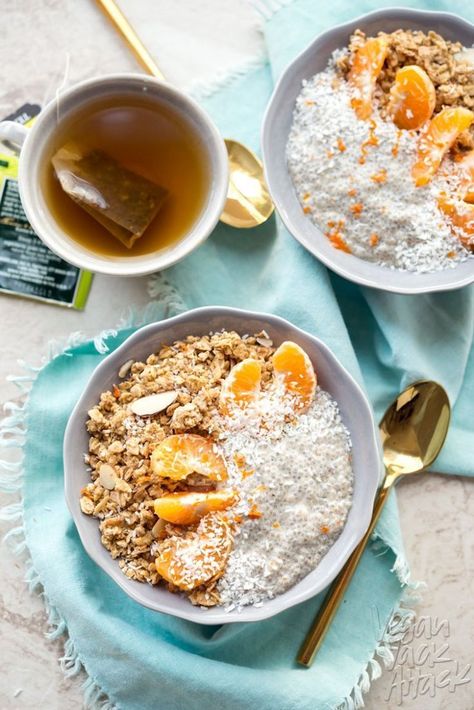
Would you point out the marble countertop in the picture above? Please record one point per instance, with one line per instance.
(46, 43)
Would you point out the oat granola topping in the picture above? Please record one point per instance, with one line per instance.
(121, 443)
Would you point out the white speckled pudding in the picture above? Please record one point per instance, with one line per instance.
(295, 480)
(353, 180)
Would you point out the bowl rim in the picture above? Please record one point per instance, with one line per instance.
(312, 245)
(53, 236)
(194, 613)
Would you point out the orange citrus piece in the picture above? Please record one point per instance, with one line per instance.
(461, 216)
(242, 385)
(293, 366)
(466, 167)
(412, 98)
(366, 67)
(438, 138)
(179, 455)
(189, 508)
(199, 557)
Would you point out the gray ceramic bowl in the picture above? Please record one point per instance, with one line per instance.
(355, 412)
(276, 127)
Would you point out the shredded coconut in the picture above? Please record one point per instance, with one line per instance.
(295, 482)
(353, 180)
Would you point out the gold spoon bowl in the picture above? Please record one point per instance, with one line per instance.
(248, 200)
(413, 431)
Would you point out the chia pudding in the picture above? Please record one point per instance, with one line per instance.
(301, 483)
(219, 469)
(381, 159)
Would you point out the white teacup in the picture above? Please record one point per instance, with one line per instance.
(36, 141)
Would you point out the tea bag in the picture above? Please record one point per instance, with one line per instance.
(124, 202)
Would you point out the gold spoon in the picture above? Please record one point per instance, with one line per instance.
(248, 200)
(413, 430)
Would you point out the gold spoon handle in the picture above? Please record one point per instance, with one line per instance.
(330, 605)
(113, 12)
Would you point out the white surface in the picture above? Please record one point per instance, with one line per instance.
(189, 39)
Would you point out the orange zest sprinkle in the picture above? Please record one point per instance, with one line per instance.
(374, 239)
(115, 391)
(239, 460)
(356, 208)
(330, 153)
(371, 140)
(238, 518)
(341, 145)
(451, 254)
(352, 192)
(261, 488)
(379, 177)
(247, 472)
(396, 146)
(276, 524)
(306, 196)
(309, 102)
(338, 241)
(324, 529)
(306, 209)
(254, 513)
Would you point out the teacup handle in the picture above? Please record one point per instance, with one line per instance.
(14, 132)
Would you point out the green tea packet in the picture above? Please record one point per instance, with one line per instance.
(27, 267)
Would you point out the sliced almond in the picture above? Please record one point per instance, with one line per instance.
(122, 486)
(264, 342)
(158, 528)
(153, 403)
(87, 506)
(124, 370)
(107, 477)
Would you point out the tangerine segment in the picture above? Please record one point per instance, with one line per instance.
(461, 216)
(293, 366)
(466, 167)
(181, 454)
(366, 67)
(412, 98)
(438, 138)
(189, 508)
(242, 385)
(199, 557)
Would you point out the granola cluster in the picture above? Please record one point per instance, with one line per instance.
(123, 487)
(452, 78)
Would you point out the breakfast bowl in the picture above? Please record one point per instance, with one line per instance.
(356, 416)
(276, 130)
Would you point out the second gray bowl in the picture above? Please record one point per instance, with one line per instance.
(276, 127)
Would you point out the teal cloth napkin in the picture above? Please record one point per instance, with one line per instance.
(144, 660)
